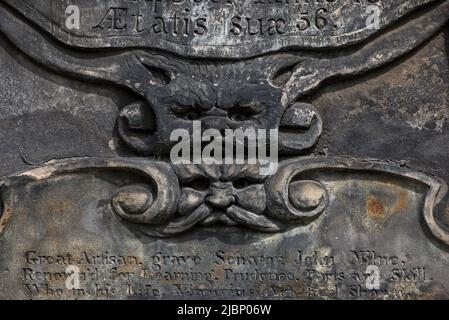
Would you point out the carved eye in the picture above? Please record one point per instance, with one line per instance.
(187, 112)
(241, 183)
(191, 115)
(243, 112)
(200, 184)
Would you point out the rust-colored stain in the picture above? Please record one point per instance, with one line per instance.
(402, 202)
(375, 207)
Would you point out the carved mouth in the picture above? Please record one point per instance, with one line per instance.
(218, 217)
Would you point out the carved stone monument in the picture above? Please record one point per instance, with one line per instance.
(94, 207)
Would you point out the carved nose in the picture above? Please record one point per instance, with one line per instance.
(220, 201)
(216, 112)
(218, 122)
(215, 118)
(220, 198)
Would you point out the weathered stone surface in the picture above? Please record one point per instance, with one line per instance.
(358, 208)
(223, 28)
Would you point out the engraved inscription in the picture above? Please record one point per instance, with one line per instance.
(299, 274)
(94, 206)
(217, 28)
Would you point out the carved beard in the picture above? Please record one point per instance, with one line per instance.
(233, 195)
(230, 194)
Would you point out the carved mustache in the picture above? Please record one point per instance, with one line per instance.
(236, 206)
(240, 206)
(291, 199)
(224, 204)
(251, 198)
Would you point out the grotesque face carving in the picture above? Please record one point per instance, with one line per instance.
(224, 190)
(264, 92)
(221, 97)
(227, 95)
(208, 195)
(173, 92)
(233, 95)
(261, 92)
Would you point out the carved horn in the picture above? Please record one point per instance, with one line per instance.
(136, 70)
(310, 72)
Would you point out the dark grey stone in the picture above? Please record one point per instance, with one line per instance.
(87, 182)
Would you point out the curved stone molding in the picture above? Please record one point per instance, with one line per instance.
(263, 93)
(279, 202)
(161, 183)
(136, 126)
(312, 72)
(300, 128)
(231, 195)
(178, 75)
(297, 25)
(174, 199)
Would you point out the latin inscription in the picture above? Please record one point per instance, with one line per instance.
(216, 27)
(96, 227)
(313, 274)
(186, 24)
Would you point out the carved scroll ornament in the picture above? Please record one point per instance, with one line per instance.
(173, 92)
